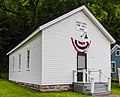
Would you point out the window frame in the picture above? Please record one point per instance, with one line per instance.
(113, 67)
(13, 63)
(19, 62)
(116, 53)
(28, 59)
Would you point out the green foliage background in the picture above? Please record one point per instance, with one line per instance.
(19, 18)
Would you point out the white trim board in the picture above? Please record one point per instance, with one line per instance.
(114, 48)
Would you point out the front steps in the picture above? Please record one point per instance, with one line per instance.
(100, 88)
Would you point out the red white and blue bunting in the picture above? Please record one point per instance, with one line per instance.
(80, 46)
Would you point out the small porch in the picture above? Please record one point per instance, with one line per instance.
(88, 85)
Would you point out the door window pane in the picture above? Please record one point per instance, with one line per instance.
(81, 61)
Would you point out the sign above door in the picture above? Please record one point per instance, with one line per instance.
(81, 46)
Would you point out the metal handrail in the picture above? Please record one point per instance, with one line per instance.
(93, 70)
(109, 80)
(104, 74)
(88, 74)
(84, 78)
(100, 74)
(99, 71)
(92, 80)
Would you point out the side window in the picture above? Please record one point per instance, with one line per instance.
(19, 62)
(117, 52)
(113, 66)
(28, 58)
(13, 63)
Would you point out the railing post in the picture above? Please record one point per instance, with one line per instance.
(89, 74)
(100, 75)
(84, 76)
(92, 85)
(109, 84)
(74, 76)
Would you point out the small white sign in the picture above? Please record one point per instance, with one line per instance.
(81, 26)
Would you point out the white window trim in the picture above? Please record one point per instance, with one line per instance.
(13, 63)
(116, 53)
(111, 66)
(28, 69)
(19, 63)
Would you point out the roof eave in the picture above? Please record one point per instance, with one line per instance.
(25, 40)
(98, 24)
(114, 48)
(45, 26)
(85, 10)
(62, 17)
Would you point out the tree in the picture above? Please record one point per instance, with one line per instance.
(17, 21)
(31, 5)
(108, 13)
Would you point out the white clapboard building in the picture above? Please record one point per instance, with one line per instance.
(71, 52)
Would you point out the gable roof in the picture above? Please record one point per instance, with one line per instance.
(114, 48)
(82, 8)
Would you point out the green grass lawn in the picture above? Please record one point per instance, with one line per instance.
(9, 89)
(115, 88)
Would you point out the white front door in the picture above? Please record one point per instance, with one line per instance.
(81, 64)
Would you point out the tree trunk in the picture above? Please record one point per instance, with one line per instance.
(33, 6)
(33, 19)
(33, 15)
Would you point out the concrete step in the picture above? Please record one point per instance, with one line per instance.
(97, 89)
(97, 86)
(101, 93)
(100, 88)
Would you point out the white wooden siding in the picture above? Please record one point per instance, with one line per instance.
(59, 56)
(99, 51)
(53, 57)
(34, 75)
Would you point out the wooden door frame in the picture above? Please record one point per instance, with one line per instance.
(82, 54)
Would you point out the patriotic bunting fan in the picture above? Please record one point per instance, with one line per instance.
(81, 46)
